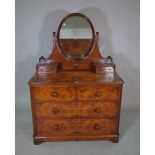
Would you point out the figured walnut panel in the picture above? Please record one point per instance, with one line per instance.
(53, 93)
(76, 127)
(75, 47)
(55, 127)
(96, 126)
(71, 109)
(55, 109)
(97, 109)
(95, 55)
(107, 92)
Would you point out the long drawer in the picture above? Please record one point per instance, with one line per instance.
(73, 109)
(106, 92)
(42, 93)
(81, 127)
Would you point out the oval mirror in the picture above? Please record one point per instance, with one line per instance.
(76, 36)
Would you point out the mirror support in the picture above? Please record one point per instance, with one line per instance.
(95, 61)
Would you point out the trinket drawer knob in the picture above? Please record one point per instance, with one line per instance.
(97, 110)
(55, 110)
(55, 94)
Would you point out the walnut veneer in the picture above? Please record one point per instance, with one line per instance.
(73, 102)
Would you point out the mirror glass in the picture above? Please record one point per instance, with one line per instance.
(76, 37)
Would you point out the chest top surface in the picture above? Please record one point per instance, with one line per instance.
(76, 78)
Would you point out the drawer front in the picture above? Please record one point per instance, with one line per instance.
(77, 127)
(55, 109)
(97, 109)
(107, 92)
(70, 109)
(96, 127)
(54, 93)
(55, 127)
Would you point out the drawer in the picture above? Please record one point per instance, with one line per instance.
(97, 109)
(70, 109)
(55, 109)
(55, 127)
(53, 93)
(106, 92)
(94, 127)
(77, 127)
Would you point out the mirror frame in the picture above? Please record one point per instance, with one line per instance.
(85, 55)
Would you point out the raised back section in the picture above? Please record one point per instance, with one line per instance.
(95, 55)
(78, 49)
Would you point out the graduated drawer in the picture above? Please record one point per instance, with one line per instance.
(106, 92)
(53, 93)
(77, 127)
(72, 109)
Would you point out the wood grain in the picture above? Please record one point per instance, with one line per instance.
(81, 127)
(54, 93)
(73, 110)
(69, 101)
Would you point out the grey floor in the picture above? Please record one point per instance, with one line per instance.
(128, 144)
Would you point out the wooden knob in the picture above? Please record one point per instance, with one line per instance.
(55, 94)
(97, 110)
(55, 110)
(56, 127)
(75, 66)
(97, 127)
(98, 94)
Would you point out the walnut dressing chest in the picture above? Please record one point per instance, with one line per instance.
(75, 92)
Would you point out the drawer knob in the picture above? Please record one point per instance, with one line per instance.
(54, 94)
(55, 110)
(97, 127)
(56, 127)
(97, 110)
(98, 94)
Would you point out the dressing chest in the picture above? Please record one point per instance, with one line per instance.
(75, 92)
